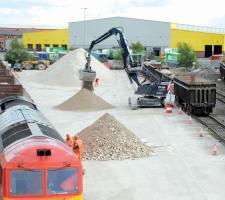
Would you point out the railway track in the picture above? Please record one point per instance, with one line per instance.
(216, 127)
(220, 96)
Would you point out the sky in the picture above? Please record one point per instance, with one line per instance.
(57, 13)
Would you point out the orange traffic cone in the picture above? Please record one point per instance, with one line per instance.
(169, 108)
(215, 150)
(201, 133)
(190, 120)
(180, 111)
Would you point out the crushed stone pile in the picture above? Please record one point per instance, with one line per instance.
(108, 139)
(84, 100)
(65, 71)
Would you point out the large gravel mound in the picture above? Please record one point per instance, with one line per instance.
(108, 139)
(64, 72)
(84, 100)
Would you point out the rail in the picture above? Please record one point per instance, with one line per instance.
(220, 96)
(216, 127)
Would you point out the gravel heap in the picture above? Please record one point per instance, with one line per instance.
(108, 139)
(85, 101)
(65, 71)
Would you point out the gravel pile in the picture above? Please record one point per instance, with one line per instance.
(108, 139)
(84, 101)
(65, 71)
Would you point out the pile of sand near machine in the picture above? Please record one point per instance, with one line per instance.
(85, 101)
(108, 139)
(65, 71)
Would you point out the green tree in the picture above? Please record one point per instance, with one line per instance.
(186, 55)
(117, 54)
(137, 47)
(17, 52)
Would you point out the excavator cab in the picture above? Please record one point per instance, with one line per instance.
(136, 62)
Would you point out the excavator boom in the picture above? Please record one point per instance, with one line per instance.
(88, 75)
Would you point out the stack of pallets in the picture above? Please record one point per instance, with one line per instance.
(9, 85)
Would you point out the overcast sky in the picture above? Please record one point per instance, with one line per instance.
(60, 12)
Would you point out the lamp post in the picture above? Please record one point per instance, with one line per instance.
(84, 28)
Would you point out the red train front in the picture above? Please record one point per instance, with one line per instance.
(35, 161)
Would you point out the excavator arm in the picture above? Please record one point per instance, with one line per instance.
(127, 59)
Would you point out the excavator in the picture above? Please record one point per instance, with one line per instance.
(150, 94)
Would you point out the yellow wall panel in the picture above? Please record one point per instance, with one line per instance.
(51, 37)
(197, 40)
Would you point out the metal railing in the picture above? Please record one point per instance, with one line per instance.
(196, 28)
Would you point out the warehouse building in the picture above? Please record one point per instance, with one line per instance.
(7, 33)
(154, 35)
(38, 41)
(206, 41)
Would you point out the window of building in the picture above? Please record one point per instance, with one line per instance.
(30, 47)
(55, 45)
(38, 47)
(64, 46)
(47, 46)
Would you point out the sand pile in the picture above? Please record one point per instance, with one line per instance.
(84, 100)
(64, 72)
(108, 139)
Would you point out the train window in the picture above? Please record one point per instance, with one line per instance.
(26, 182)
(62, 181)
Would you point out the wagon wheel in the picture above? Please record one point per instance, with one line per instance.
(178, 101)
(189, 109)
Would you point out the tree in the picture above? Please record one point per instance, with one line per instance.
(137, 47)
(186, 55)
(17, 52)
(117, 54)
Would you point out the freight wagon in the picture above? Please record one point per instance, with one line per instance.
(195, 95)
(222, 70)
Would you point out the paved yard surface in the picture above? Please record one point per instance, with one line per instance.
(183, 167)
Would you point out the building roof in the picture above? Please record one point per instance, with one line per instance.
(18, 31)
(118, 17)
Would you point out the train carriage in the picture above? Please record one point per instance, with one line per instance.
(222, 70)
(196, 95)
(35, 162)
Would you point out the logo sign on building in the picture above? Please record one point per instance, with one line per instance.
(55, 49)
(171, 55)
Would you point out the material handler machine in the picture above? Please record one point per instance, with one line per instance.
(146, 94)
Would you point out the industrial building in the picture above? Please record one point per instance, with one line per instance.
(154, 35)
(206, 41)
(51, 38)
(7, 33)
